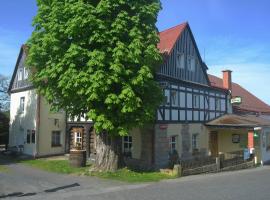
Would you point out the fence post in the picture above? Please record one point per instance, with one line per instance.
(177, 170)
(218, 163)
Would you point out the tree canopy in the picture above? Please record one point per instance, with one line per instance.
(4, 97)
(98, 57)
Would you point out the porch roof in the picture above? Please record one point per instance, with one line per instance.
(239, 121)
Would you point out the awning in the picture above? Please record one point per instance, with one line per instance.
(239, 121)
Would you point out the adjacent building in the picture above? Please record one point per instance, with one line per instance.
(34, 129)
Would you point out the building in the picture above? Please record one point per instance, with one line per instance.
(34, 129)
(248, 127)
(191, 121)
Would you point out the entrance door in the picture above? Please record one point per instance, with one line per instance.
(213, 143)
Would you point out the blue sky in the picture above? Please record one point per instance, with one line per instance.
(230, 35)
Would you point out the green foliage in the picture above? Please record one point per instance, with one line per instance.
(99, 58)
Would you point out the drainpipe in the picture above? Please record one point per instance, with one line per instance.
(37, 125)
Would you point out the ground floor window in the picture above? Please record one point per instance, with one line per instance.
(78, 139)
(56, 138)
(28, 137)
(173, 143)
(194, 141)
(33, 136)
(127, 145)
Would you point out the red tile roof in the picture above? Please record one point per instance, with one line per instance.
(249, 101)
(169, 37)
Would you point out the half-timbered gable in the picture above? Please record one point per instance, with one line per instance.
(183, 76)
(19, 81)
(182, 59)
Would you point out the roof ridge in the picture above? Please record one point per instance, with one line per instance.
(182, 24)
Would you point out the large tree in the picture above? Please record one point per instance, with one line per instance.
(98, 57)
(4, 97)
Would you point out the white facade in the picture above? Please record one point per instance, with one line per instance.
(23, 120)
(32, 124)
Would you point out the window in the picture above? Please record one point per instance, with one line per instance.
(194, 141)
(267, 141)
(173, 143)
(78, 138)
(191, 63)
(127, 144)
(22, 102)
(174, 98)
(20, 74)
(181, 61)
(33, 136)
(56, 138)
(167, 97)
(218, 104)
(196, 101)
(25, 73)
(28, 137)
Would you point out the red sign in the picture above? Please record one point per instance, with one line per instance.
(163, 126)
(250, 139)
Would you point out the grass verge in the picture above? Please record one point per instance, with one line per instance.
(133, 176)
(126, 175)
(3, 168)
(56, 166)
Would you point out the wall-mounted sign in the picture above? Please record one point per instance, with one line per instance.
(163, 126)
(236, 100)
(235, 138)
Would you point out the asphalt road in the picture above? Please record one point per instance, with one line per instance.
(252, 184)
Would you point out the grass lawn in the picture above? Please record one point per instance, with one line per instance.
(3, 168)
(56, 166)
(62, 167)
(133, 176)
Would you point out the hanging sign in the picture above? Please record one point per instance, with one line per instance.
(236, 100)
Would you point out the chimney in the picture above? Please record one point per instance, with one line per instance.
(227, 79)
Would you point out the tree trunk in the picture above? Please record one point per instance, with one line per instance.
(108, 152)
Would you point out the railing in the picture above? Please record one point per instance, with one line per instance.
(231, 159)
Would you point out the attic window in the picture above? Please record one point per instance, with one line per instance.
(20, 74)
(191, 63)
(180, 61)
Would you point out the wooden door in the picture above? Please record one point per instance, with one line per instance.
(213, 143)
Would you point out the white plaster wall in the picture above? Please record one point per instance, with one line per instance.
(47, 125)
(21, 122)
(264, 151)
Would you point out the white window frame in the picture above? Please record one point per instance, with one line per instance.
(196, 101)
(20, 74)
(218, 104)
(174, 98)
(167, 96)
(191, 63)
(180, 61)
(78, 138)
(127, 141)
(25, 73)
(173, 143)
(22, 104)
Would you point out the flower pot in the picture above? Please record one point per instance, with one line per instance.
(77, 158)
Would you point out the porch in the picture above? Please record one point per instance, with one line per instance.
(243, 134)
